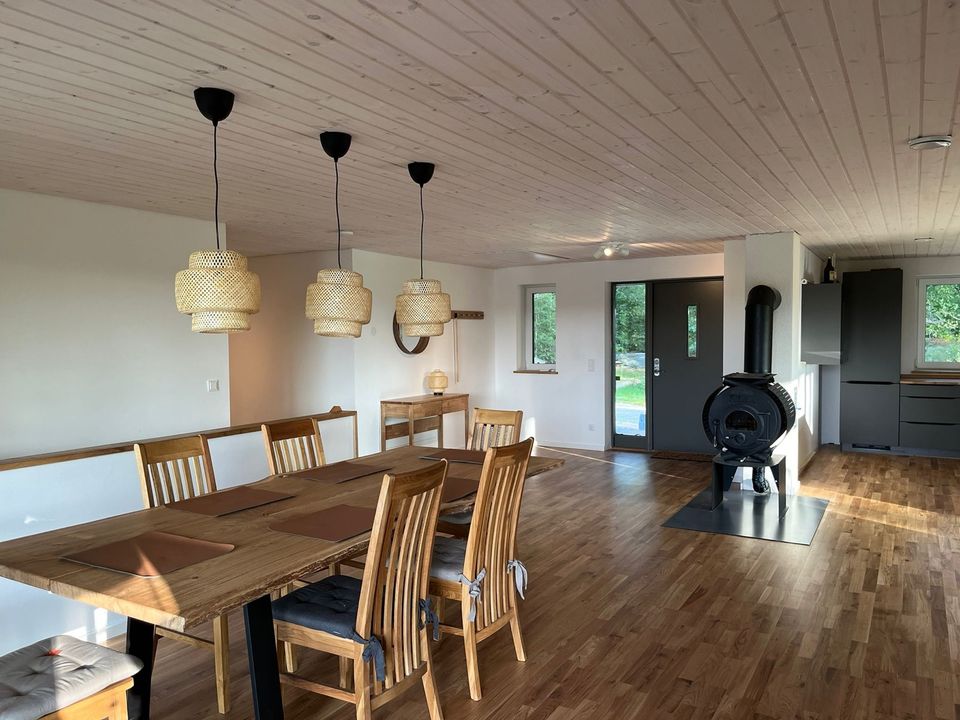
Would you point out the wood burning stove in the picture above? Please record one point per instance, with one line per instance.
(749, 413)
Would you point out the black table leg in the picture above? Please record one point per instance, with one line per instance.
(262, 655)
(142, 644)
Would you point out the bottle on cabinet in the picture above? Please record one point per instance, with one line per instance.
(829, 271)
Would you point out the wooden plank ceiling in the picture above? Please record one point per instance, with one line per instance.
(555, 124)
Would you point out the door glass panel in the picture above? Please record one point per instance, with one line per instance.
(630, 371)
(691, 331)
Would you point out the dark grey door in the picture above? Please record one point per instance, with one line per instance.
(687, 365)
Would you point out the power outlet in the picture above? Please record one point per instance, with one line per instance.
(213, 385)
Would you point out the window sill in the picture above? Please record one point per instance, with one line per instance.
(535, 372)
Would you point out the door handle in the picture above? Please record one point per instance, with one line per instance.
(656, 367)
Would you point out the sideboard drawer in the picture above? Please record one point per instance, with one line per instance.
(930, 437)
(930, 409)
(454, 404)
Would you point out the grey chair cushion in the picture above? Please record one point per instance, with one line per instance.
(57, 672)
(461, 518)
(448, 556)
(329, 605)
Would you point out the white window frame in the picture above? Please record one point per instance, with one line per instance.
(922, 284)
(527, 362)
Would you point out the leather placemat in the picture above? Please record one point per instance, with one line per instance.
(340, 472)
(334, 524)
(474, 457)
(229, 501)
(455, 488)
(151, 554)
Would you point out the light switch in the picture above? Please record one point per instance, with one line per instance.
(591, 365)
(213, 385)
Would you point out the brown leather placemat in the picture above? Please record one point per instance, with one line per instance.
(151, 554)
(474, 457)
(455, 488)
(340, 472)
(229, 501)
(334, 524)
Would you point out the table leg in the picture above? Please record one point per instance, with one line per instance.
(410, 430)
(142, 644)
(466, 429)
(262, 656)
(440, 430)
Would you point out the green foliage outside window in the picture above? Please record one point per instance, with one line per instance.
(544, 328)
(942, 331)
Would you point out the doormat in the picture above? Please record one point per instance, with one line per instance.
(687, 456)
(749, 515)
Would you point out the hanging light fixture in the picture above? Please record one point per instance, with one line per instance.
(216, 289)
(422, 306)
(337, 302)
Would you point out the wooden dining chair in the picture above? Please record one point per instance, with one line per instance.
(380, 623)
(179, 469)
(293, 445)
(491, 428)
(483, 572)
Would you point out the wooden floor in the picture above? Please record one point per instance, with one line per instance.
(626, 619)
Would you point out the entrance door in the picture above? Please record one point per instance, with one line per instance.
(687, 361)
(629, 304)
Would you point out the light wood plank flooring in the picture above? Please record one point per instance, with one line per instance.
(626, 619)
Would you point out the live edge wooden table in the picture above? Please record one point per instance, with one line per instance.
(264, 560)
(422, 413)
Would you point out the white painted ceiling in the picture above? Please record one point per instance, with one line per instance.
(555, 124)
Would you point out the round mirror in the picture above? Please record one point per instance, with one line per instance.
(402, 341)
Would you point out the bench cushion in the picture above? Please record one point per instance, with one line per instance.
(57, 672)
(329, 605)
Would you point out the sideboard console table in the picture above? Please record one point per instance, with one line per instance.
(422, 413)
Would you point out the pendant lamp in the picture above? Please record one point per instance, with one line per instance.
(422, 306)
(216, 289)
(337, 302)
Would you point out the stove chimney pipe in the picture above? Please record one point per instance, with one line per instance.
(762, 300)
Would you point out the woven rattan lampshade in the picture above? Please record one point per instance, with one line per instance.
(217, 291)
(422, 308)
(338, 303)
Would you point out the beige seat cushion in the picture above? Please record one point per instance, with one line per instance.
(57, 672)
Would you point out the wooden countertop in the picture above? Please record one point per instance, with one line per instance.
(930, 378)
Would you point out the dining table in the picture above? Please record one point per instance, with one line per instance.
(264, 560)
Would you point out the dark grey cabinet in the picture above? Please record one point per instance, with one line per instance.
(870, 358)
(820, 324)
(930, 417)
(870, 326)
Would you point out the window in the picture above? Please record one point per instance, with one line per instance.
(939, 323)
(691, 331)
(540, 328)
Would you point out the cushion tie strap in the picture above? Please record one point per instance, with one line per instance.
(373, 650)
(519, 576)
(474, 590)
(429, 618)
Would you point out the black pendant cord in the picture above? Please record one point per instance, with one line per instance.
(336, 200)
(421, 232)
(216, 188)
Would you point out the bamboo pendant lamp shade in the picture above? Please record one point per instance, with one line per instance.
(422, 306)
(217, 290)
(337, 302)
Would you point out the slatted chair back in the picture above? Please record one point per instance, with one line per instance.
(397, 571)
(176, 469)
(491, 541)
(494, 428)
(293, 445)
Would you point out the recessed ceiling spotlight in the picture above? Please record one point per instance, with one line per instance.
(611, 249)
(923, 239)
(930, 142)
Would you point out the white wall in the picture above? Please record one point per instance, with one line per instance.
(383, 371)
(560, 409)
(94, 350)
(280, 368)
